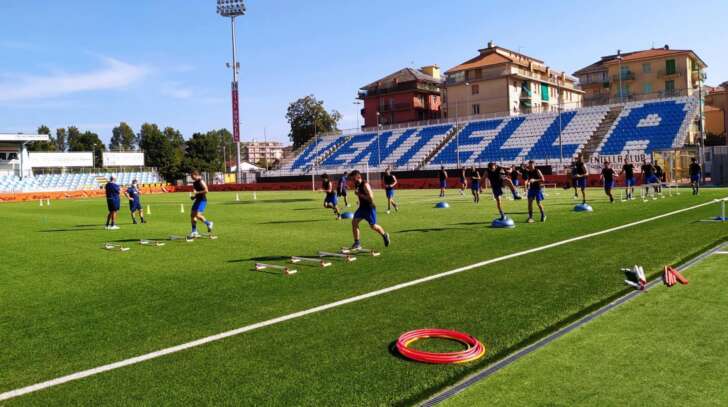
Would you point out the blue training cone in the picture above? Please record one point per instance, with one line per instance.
(583, 208)
(347, 215)
(505, 223)
(442, 205)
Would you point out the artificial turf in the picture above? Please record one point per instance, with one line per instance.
(665, 348)
(68, 305)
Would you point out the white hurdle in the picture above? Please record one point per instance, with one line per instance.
(155, 243)
(347, 257)
(116, 247)
(320, 262)
(370, 252)
(286, 271)
(178, 238)
(207, 236)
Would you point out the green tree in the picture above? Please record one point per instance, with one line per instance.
(307, 116)
(61, 139)
(43, 145)
(123, 138)
(204, 151)
(86, 141)
(160, 152)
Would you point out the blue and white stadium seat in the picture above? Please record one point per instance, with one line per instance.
(648, 126)
(71, 182)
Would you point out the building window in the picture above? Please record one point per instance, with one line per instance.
(646, 67)
(670, 88)
(647, 88)
(475, 109)
(670, 67)
(474, 89)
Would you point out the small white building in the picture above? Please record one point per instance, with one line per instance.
(14, 158)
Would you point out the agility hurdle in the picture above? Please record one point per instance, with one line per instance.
(179, 238)
(370, 252)
(206, 236)
(286, 271)
(155, 243)
(320, 262)
(116, 247)
(346, 257)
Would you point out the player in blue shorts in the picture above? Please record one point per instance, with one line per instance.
(463, 182)
(133, 194)
(474, 183)
(628, 171)
(607, 178)
(198, 207)
(442, 175)
(342, 189)
(695, 175)
(660, 174)
(113, 202)
(367, 210)
(330, 200)
(648, 177)
(390, 181)
(534, 185)
(581, 175)
(495, 178)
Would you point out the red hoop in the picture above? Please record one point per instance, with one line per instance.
(475, 350)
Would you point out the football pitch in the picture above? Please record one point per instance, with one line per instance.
(323, 336)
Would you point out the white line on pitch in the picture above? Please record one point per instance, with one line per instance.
(213, 338)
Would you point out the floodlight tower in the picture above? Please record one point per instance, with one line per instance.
(232, 9)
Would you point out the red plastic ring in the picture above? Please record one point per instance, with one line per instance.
(475, 350)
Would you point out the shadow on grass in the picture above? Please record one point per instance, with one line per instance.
(94, 229)
(284, 222)
(262, 258)
(428, 230)
(272, 201)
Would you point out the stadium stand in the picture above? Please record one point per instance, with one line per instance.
(72, 182)
(609, 130)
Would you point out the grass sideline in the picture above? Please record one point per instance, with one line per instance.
(96, 307)
(665, 348)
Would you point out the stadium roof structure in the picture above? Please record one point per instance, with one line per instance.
(23, 138)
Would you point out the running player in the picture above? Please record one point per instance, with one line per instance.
(581, 177)
(133, 194)
(330, 200)
(648, 177)
(199, 196)
(534, 184)
(390, 181)
(113, 202)
(342, 189)
(660, 174)
(443, 180)
(574, 178)
(495, 177)
(367, 210)
(475, 184)
(607, 179)
(463, 182)
(628, 172)
(695, 175)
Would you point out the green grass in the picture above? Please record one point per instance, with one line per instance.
(67, 305)
(665, 348)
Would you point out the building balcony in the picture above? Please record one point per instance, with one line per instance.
(401, 87)
(624, 76)
(663, 74)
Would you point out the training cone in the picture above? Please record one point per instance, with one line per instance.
(505, 223)
(48, 202)
(237, 197)
(181, 208)
(442, 205)
(41, 202)
(583, 208)
(254, 196)
(149, 210)
(347, 215)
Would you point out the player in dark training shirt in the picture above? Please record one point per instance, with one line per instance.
(695, 175)
(660, 174)
(628, 172)
(474, 183)
(199, 195)
(367, 210)
(390, 181)
(330, 200)
(342, 189)
(581, 175)
(495, 176)
(442, 175)
(574, 179)
(648, 177)
(463, 182)
(534, 184)
(607, 179)
(113, 202)
(133, 194)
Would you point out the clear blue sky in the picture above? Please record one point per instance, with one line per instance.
(95, 63)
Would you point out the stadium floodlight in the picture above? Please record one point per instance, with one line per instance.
(232, 9)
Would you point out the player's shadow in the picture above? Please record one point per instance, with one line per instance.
(428, 230)
(84, 229)
(262, 258)
(285, 222)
